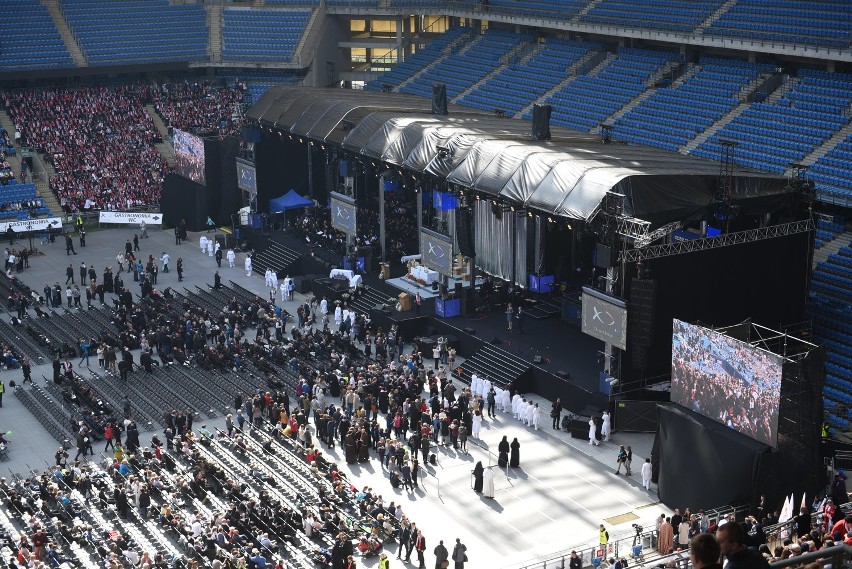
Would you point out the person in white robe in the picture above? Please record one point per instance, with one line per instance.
(216, 247)
(202, 241)
(488, 483)
(516, 402)
(210, 243)
(338, 316)
(606, 426)
(536, 416)
(474, 384)
(248, 266)
(593, 440)
(486, 388)
(324, 310)
(476, 426)
(232, 258)
(646, 474)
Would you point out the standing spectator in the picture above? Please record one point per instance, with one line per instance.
(556, 412)
(165, 259)
(646, 474)
(459, 554)
(69, 246)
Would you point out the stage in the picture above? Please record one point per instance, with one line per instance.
(426, 291)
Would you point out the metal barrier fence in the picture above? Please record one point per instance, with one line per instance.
(634, 545)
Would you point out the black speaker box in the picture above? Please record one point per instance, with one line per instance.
(563, 374)
(537, 359)
(439, 99)
(603, 256)
(496, 340)
(541, 122)
(470, 331)
(580, 428)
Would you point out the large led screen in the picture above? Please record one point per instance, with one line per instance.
(344, 213)
(246, 176)
(604, 317)
(189, 156)
(726, 380)
(436, 251)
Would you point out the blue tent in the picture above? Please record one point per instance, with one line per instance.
(290, 200)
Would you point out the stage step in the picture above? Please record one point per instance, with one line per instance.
(278, 257)
(369, 299)
(496, 364)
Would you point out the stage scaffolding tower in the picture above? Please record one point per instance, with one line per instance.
(726, 208)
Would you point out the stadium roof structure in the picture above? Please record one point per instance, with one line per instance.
(566, 176)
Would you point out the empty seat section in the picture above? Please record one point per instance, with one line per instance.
(772, 135)
(137, 31)
(816, 22)
(671, 15)
(415, 62)
(589, 99)
(468, 65)
(673, 115)
(29, 38)
(262, 35)
(524, 81)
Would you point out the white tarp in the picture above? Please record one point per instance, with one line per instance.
(31, 224)
(130, 217)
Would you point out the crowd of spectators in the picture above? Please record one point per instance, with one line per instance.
(198, 105)
(99, 140)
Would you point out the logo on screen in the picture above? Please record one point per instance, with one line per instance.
(343, 213)
(605, 317)
(436, 250)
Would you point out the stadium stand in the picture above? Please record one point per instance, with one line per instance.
(262, 35)
(589, 99)
(540, 71)
(673, 15)
(122, 171)
(30, 39)
(435, 49)
(832, 174)
(470, 64)
(185, 105)
(257, 82)
(674, 115)
(773, 135)
(824, 23)
(137, 31)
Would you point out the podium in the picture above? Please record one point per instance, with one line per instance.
(404, 301)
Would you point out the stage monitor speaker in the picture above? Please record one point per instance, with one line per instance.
(563, 374)
(603, 256)
(230, 240)
(458, 289)
(496, 340)
(439, 99)
(541, 122)
(580, 428)
(537, 359)
(470, 331)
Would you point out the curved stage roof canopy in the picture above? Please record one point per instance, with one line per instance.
(567, 176)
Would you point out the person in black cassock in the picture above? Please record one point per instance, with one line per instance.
(478, 471)
(516, 459)
(503, 449)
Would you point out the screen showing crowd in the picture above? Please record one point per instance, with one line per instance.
(726, 380)
(189, 156)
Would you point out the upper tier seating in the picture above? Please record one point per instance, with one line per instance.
(670, 15)
(673, 115)
(771, 136)
(589, 99)
(469, 65)
(420, 59)
(832, 173)
(258, 81)
(537, 75)
(262, 35)
(29, 39)
(137, 31)
(818, 22)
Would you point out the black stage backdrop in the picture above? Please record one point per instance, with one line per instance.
(765, 281)
(230, 198)
(282, 164)
(700, 462)
(184, 199)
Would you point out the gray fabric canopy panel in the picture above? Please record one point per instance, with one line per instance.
(567, 176)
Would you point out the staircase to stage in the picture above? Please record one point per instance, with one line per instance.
(280, 258)
(495, 364)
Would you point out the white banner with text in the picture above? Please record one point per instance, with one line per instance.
(40, 224)
(131, 217)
